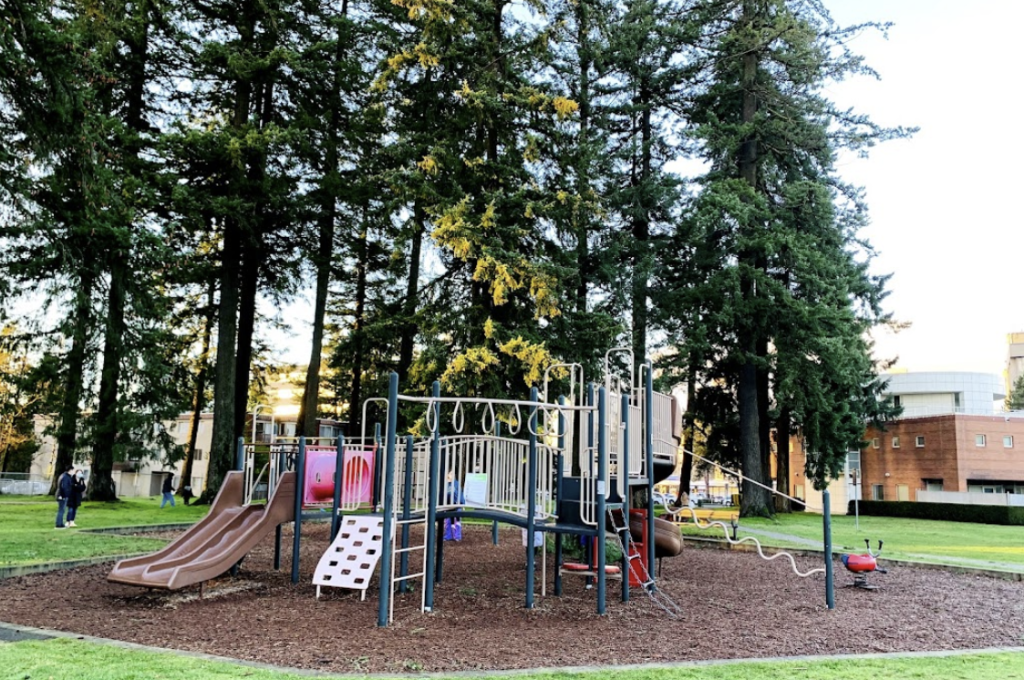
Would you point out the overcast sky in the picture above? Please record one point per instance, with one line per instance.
(946, 204)
(945, 207)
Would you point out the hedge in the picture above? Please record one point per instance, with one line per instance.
(950, 512)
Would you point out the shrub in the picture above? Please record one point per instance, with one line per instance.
(950, 512)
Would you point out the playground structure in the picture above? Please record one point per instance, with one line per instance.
(582, 466)
(862, 565)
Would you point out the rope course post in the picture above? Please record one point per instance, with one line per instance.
(602, 489)
(830, 592)
(403, 570)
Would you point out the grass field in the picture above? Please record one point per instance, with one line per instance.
(65, 659)
(957, 543)
(29, 536)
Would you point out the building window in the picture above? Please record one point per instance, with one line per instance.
(895, 442)
(198, 455)
(1008, 441)
(877, 492)
(919, 441)
(979, 440)
(897, 401)
(876, 443)
(932, 484)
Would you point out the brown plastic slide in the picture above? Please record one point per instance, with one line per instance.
(668, 542)
(214, 544)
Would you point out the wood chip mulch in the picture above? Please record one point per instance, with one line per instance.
(734, 605)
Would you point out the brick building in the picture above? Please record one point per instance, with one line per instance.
(952, 437)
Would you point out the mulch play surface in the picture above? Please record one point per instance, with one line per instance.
(734, 605)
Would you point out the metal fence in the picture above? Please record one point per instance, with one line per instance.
(24, 484)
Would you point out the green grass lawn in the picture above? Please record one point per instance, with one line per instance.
(958, 543)
(29, 536)
(65, 659)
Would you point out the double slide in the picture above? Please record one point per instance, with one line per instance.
(214, 544)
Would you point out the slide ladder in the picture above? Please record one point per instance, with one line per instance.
(638, 572)
(396, 555)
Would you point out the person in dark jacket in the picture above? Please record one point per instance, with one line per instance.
(64, 484)
(75, 496)
(168, 490)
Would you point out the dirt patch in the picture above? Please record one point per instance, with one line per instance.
(734, 605)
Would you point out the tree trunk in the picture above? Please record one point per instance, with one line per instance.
(310, 405)
(686, 469)
(67, 429)
(246, 326)
(355, 406)
(754, 500)
(199, 396)
(642, 234)
(412, 293)
(583, 165)
(782, 433)
(101, 480)
(222, 446)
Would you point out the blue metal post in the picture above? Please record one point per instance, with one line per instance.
(300, 484)
(383, 604)
(339, 476)
(649, 454)
(531, 499)
(602, 486)
(558, 494)
(406, 512)
(830, 594)
(432, 482)
(494, 524)
(626, 500)
(377, 465)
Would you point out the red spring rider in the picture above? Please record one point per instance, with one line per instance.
(862, 565)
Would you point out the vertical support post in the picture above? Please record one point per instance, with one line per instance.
(339, 481)
(626, 540)
(377, 466)
(433, 561)
(240, 454)
(300, 488)
(494, 524)
(591, 548)
(406, 512)
(531, 499)
(387, 540)
(559, 463)
(602, 487)
(826, 514)
(648, 412)
(277, 547)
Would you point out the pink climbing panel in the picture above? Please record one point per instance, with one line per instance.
(357, 475)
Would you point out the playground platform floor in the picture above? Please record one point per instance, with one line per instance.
(734, 605)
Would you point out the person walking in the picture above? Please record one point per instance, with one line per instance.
(75, 496)
(168, 490)
(64, 484)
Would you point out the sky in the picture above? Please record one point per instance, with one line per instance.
(945, 216)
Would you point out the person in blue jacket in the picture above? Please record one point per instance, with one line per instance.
(75, 497)
(65, 484)
(453, 496)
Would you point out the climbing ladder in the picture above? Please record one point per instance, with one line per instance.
(396, 554)
(638, 572)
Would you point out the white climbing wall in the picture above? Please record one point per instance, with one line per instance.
(353, 556)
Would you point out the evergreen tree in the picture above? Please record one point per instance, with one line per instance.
(1015, 399)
